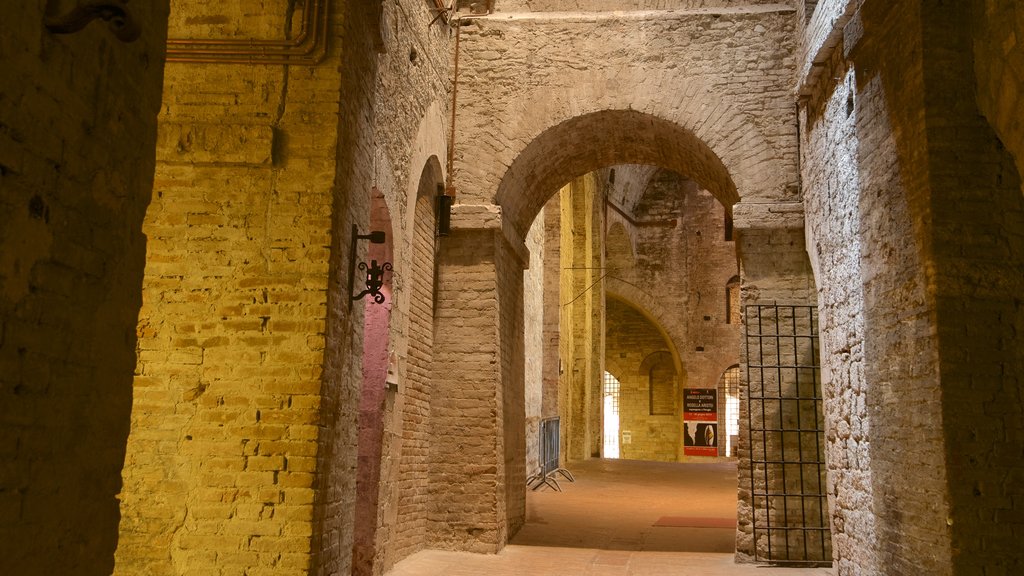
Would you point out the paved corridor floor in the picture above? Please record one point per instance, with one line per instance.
(620, 518)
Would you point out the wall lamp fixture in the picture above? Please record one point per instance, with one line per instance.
(374, 273)
(444, 212)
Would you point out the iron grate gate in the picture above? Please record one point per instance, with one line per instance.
(786, 435)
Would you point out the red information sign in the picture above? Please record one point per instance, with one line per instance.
(700, 421)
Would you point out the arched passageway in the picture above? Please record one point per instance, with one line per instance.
(482, 264)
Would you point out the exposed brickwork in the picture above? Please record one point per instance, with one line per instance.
(469, 462)
(511, 403)
(606, 5)
(976, 213)
(582, 324)
(677, 276)
(684, 110)
(936, 201)
(631, 340)
(411, 448)
(77, 133)
(832, 195)
(710, 98)
(394, 82)
(553, 361)
(228, 432)
(241, 457)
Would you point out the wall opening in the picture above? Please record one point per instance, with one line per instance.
(732, 301)
(729, 388)
(611, 416)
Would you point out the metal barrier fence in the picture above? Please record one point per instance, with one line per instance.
(550, 456)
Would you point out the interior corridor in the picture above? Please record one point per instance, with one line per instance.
(619, 518)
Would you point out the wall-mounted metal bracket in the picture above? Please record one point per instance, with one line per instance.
(374, 273)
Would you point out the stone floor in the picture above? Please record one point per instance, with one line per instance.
(603, 524)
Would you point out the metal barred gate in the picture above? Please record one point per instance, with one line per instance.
(785, 428)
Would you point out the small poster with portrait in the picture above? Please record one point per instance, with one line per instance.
(700, 422)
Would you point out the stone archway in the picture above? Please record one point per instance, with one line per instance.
(601, 139)
(524, 130)
(480, 306)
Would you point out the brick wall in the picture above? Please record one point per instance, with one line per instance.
(400, 101)
(976, 213)
(511, 401)
(553, 360)
(467, 459)
(935, 199)
(408, 483)
(582, 325)
(678, 274)
(77, 132)
(550, 96)
(227, 427)
(605, 5)
(832, 195)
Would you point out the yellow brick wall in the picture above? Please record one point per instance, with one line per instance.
(226, 422)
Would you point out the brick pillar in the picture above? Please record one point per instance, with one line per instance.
(775, 269)
(582, 317)
(477, 405)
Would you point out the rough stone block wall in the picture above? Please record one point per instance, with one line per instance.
(905, 406)
(77, 132)
(227, 429)
(938, 211)
(832, 197)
